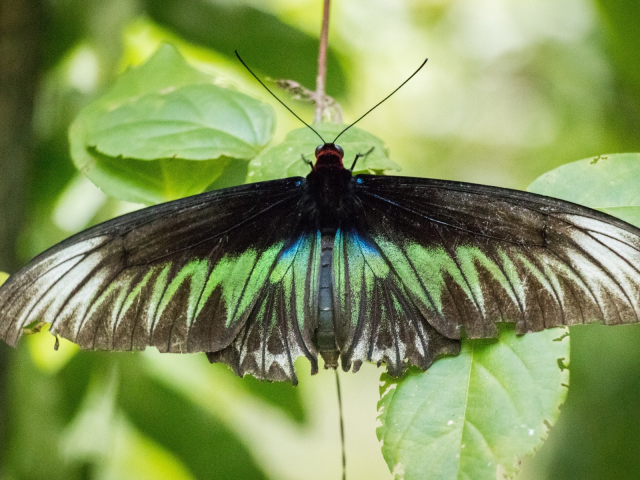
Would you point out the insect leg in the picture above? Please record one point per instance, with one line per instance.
(307, 161)
(353, 165)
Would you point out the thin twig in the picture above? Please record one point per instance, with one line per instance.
(332, 110)
(322, 64)
(344, 453)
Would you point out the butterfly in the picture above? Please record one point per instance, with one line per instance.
(353, 268)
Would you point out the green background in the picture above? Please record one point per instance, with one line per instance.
(511, 90)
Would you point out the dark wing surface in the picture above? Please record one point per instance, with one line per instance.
(454, 258)
(231, 269)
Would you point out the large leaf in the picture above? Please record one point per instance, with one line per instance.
(285, 159)
(608, 183)
(470, 416)
(157, 181)
(192, 122)
(165, 130)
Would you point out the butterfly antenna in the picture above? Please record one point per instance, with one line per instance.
(381, 101)
(344, 454)
(274, 96)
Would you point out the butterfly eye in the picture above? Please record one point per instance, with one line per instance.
(318, 148)
(339, 150)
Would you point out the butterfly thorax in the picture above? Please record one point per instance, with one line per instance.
(329, 184)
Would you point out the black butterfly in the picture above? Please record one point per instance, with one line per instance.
(361, 268)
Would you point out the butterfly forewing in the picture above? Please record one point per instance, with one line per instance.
(418, 265)
(469, 256)
(187, 276)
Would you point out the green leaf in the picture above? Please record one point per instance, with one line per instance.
(3, 277)
(164, 131)
(154, 182)
(285, 159)
(234, 174)
(193, 122)
(470, 415)
(608, 183)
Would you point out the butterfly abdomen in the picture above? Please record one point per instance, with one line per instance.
(325, 334)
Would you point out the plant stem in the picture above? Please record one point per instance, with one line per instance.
(322, 65)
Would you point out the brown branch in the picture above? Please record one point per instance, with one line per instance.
(22, 24)
(322, 65)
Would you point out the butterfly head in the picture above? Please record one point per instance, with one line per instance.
(329, 155)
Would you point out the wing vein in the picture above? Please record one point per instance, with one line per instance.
(604, 270)
(553, 288)
(217, 235)
(393, 326)
(440, 222)
(464, 276)
(581, 278)
(285, 340)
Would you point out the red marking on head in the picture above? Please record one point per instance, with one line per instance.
(329, 155)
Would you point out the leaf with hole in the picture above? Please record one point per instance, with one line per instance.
(469, 416)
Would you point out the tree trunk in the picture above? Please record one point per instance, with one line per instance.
(21, 33)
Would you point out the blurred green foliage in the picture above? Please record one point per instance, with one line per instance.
(272, 45)
(512, 89)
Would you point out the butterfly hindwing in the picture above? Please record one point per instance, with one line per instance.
(469, 256)
(378, 321)
(186, 276)
(281, 324)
